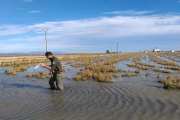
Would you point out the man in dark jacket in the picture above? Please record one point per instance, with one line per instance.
(56, 70)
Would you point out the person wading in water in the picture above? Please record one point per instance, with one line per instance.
(56, 70)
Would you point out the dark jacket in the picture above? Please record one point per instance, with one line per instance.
(55, 65)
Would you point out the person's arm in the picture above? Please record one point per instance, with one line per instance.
(44, 66)
(54, 64)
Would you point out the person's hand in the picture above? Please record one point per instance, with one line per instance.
(51, 71)
(43, 65)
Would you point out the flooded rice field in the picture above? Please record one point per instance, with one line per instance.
(139, 97)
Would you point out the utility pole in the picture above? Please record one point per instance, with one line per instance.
(46, 30)
(111, 48)
(117, 47)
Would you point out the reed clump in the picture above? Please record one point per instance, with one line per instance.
(166, 71)
(63, 68)
(129, 74)
(11, 71)
(77, 78)
(84, 75)
(140, 65)
(137, 70)
(89, 75)
(102, 68)
(157, 70)
(161, 61)
(175, 68)
(172, 67)
(116, 75)
(103, 78)
(69, 62)
(22, 62)
(41, 75)
(145, 68)
(172, 82)
(149, 65)
(120, 70)
(84, 63)
(15, 70)
(131, 65)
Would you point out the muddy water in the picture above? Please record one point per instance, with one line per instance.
(137, 98)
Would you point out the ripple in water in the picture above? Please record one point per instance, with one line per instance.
(135, 99)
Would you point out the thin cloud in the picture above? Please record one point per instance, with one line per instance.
(12, 30)
(27, 1)
(84, 32)
(105, 27)
(129, 12)
(34, 11)
(35, 43)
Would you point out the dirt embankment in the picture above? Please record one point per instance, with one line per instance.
(31, 57)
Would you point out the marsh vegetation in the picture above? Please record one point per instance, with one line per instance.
(17, 69)
(103, 67)
(112, 81)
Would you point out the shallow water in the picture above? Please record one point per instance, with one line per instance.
(135, 98)
(178, 63)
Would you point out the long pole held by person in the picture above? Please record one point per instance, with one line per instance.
(45, 30)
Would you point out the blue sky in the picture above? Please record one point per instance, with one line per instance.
(89, 26)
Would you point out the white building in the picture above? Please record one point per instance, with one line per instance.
(172, 50)
(156, 50)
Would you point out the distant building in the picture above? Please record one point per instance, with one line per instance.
(156, 50)
(172, 50)
(146, 51)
